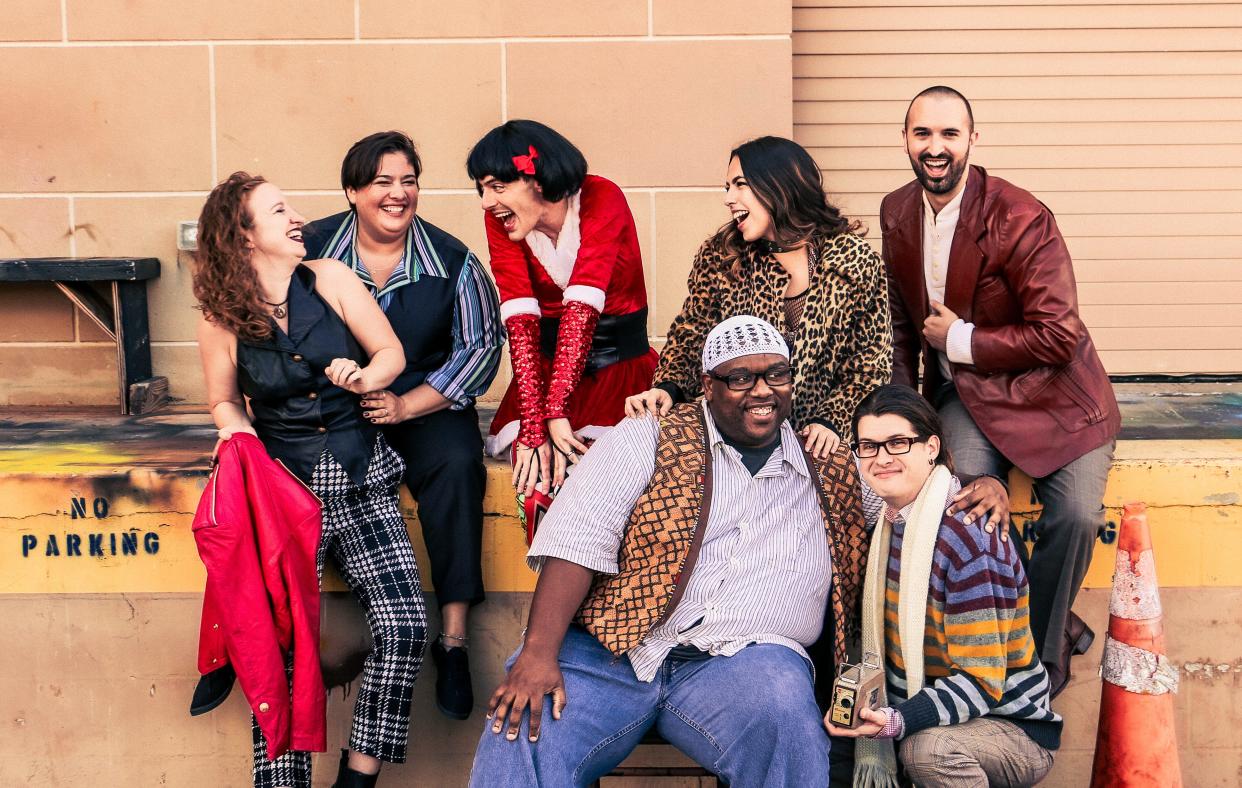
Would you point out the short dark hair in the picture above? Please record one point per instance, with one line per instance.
(363, 159)
(907, 403)
(559, 169)
(947, 92)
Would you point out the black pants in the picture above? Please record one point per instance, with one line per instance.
(443, 455)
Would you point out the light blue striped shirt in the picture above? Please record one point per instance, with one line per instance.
(764, 566)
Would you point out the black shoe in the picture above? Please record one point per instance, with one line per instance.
(1077, 638)
(454, 694)
(212, 690)
(348, 778)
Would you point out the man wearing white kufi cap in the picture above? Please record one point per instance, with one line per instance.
(685, 568)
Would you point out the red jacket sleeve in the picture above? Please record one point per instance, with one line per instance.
(907, 337)
(225, 535)
(605, 223)
(1039, 270)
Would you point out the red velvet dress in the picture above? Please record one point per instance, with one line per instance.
(596, 300)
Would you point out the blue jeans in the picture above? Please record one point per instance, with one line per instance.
(750, 718)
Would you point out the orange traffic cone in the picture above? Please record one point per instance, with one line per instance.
(1136, 744)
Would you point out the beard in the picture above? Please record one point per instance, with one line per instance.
(944, 184)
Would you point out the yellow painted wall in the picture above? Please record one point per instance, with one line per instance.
(122, 114)
(1192, 488)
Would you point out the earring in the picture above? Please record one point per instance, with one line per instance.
(931, 461)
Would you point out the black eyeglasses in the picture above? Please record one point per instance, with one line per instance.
(893, 446)
(744, 380)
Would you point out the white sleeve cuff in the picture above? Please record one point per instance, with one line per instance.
(591, 296)
(519, 306)
(957, 344)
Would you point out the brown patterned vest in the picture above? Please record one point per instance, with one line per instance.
(662, 540)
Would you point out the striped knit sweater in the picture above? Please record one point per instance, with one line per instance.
(979, 656)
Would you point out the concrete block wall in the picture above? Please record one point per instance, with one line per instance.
(122, 114)
(98, 666)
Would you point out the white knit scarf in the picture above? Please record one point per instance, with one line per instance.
(875, 760)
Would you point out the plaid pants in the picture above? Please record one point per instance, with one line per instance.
(364, 533)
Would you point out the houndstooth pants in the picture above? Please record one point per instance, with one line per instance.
(364, 533)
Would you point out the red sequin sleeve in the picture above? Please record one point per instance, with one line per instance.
(573, 343)
(527, 376)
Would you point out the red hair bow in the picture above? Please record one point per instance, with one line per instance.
(526, 164)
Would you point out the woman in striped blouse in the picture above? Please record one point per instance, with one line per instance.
(946, 603)
(443, 307)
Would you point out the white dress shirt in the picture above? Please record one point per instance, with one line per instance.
(938, 231)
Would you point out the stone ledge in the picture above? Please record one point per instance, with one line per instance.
(94, 503)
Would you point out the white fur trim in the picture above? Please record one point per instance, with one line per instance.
(519, 306)
(558, 259)
(498, 445)
(591, 296)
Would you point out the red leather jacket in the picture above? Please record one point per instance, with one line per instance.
(1037, 389)
(258, 529)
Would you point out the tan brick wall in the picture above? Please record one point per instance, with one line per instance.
(122, 114)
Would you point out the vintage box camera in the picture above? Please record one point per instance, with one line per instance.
(856, 687)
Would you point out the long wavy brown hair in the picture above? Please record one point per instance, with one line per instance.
(225, 283)
(789, 185)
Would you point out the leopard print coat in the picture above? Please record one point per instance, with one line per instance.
(844, 345)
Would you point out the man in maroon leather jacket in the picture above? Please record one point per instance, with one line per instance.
(981, 288)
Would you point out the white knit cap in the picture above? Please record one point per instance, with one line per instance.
(743, 335)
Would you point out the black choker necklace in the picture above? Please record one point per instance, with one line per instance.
(772, 247)
(278, 310)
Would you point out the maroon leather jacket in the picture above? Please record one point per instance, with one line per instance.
(258, 528)
(1037, 389)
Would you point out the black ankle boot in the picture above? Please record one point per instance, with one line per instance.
(348, 778)
(454, 691)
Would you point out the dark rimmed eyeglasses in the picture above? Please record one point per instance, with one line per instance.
(894, 446)
(744, 380)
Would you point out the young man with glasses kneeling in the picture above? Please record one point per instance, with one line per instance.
(947, 605)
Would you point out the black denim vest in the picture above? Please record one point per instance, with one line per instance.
(297, 411)
(421, 313)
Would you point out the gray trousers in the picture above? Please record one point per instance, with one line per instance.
(1073, 517)
(978, 753)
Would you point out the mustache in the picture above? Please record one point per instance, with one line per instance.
(923, 157)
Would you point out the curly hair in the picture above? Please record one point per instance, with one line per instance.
(788, 183)
(225, 284)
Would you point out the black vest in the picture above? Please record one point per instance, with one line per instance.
(421, 312)
(297, 411)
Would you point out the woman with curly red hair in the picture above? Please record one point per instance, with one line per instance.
(295, 344)
(566, 260)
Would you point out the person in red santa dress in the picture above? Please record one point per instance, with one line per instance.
(566, 260)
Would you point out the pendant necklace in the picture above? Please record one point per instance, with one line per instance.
(278, 310)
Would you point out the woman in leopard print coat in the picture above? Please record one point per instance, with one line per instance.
(789, 257)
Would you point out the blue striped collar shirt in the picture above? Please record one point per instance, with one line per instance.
(478, 335)
(763, 570)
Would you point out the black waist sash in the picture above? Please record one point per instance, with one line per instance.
(617, 338)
